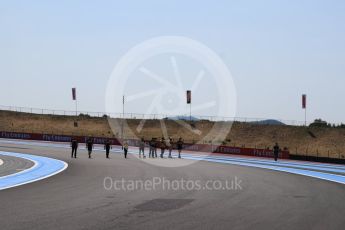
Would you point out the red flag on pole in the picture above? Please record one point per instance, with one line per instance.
(304, 101)
(74, 94)
(189, 96)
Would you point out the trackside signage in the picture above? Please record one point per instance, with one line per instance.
(114, 141)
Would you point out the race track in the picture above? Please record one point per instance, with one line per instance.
(11, 165)
(21, 169)
(77, 199)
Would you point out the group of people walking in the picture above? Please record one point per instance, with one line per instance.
(161, 144)
(153, 145)
(89, 147)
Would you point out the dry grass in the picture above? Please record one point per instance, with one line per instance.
(299, 140)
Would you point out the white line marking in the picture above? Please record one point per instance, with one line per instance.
(24, 171)
(303, 172)
(30, 169)
(38, 179)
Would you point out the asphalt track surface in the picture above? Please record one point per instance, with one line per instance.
(76, 198)
(13, 165)
(41, 168)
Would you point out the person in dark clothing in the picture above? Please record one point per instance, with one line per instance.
(162, 146)
(89, 146)
(125, 149)
(74, 145)
(142, 148)
(276, 151)
(171, 146)
(151, 150)
(107, 147)
(179, 146)
(155, 146)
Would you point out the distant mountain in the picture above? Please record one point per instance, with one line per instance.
(267, 122)
(182, 118)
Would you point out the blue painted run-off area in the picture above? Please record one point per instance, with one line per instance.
(43, 167)
(328, 172)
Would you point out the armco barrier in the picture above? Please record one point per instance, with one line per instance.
(55, 138)
(235, 150)
(101, 140)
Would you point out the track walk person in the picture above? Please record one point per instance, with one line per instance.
(179, 146)
(162, 146)
(155, 146)
(171, 146)
(107, 147)
(74, 145)
(125, 148)
(151, 148)
(89, 146)
(276, 151)
(142, 148)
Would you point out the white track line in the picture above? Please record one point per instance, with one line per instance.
(41, 164)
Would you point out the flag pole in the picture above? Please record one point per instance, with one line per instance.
(190, 113)
(123, 117)
(76, 108)
(304, 106)
(305, 117)
(189, 101)
(74, 97)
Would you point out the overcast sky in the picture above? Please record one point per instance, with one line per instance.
(275, 50)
